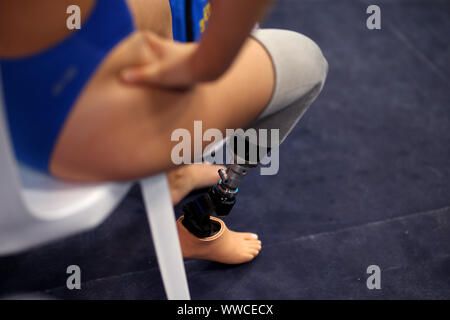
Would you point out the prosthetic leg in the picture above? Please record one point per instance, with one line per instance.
(300, 71)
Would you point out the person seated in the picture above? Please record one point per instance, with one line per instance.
(100, 103)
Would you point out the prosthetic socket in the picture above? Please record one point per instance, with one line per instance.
(301, 71)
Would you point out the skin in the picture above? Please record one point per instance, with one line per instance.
(132, 139)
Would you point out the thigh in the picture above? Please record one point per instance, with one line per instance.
(121, 132)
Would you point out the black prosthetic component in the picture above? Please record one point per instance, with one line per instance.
(220, 198)
(247, 150)
(197, 217)
(223, 203)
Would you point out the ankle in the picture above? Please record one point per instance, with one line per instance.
(193, 245)
(200, 231)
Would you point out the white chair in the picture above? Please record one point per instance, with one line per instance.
(36, 209)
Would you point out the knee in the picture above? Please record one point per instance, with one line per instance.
(299, 64)
(309, 58)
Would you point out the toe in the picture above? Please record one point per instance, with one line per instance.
(255, 246)
(254, 252)
(249, 257)
(254, 242)
(250, 236)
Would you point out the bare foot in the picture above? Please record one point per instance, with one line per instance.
(226, 246)
(184, 179)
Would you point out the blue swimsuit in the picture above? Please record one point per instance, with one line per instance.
(189, 19)
(40, 90)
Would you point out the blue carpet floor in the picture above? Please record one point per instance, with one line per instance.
(365, 179)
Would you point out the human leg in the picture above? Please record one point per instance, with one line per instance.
(300, 73)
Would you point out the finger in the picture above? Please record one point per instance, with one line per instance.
(155, 42)
(143, 74)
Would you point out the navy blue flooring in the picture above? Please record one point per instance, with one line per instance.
(365, 179)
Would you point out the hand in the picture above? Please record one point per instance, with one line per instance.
(171, 64)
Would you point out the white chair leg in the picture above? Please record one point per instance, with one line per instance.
(161, 216)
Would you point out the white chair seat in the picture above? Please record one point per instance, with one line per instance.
(47, 198)
(36, 209)
(58, 209)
